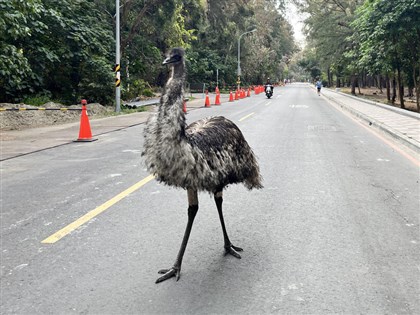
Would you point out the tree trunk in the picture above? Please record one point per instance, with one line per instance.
(400, 87)
(417, 84)
(388, 88)
(358, 82)
(329, 77)
(380, 84)
(394, 89)
(410, 91)
(353, 84)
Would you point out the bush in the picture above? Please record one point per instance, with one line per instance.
(137, 88)
(148, 93)
(37, 100)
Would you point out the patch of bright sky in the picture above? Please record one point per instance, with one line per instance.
(296, 20)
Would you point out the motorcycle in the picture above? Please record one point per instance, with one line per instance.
(269, 91)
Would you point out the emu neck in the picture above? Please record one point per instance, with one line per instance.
(171, 118)
(178, 72)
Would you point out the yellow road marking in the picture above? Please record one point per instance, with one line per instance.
(247, 116)
(93, 213)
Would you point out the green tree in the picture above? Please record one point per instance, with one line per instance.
(389, 35)
(62, 46)
(18, 20)
(328, 29)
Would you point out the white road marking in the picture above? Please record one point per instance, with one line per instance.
(298, 106)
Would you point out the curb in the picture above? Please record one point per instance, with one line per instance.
(381, 126)
(381, 105)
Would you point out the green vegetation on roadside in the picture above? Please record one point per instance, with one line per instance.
(364, 43)
(64, 50)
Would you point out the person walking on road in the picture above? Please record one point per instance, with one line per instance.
(318, 85)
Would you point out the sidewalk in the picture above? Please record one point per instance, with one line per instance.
(401, 124)
(16, 143)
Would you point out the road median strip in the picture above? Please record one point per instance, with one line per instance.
(95, 212)
(246, 117)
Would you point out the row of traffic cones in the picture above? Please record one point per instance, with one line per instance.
(216, 101)
(85, 133)
(239, 94)
(259, 89)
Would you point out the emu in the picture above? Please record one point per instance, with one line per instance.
(207, 155)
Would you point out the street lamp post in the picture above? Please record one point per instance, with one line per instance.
(239, 56)
(117, 58)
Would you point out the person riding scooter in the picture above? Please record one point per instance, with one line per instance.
(268, 88)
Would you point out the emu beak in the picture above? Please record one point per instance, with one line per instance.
(166, 61)
(171, 59)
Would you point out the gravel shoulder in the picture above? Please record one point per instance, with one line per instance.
(28, 116)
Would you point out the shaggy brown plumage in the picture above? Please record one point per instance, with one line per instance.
(207, 155)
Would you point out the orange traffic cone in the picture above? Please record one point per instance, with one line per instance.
(85, 134)
(231, 97)
(217, 101)
(237, 95)
(217, 90)
(184, 107)
(249, 93)
(207, 102)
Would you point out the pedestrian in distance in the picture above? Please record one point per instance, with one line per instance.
(318, 85)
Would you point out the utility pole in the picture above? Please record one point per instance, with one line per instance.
(117, 58)
(239, 57)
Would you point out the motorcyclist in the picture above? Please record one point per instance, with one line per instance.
(268, 84)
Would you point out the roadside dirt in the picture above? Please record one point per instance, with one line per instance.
(23, 119)
(374, 94)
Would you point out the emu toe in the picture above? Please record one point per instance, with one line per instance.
(169, 273)
(233, 250)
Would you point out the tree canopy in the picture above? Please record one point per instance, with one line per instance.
(357, 40)
(65, 49)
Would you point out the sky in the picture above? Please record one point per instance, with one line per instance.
(295, 19)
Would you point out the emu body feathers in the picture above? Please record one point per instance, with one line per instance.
(207, 155)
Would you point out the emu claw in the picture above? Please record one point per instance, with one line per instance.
(232, 250)
(169, 273)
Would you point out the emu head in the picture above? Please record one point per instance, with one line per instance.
(175, 57)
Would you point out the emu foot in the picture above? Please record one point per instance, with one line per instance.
(169, 273)
(233, 250)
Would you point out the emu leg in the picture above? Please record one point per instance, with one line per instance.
(176, 269)
(229, 248)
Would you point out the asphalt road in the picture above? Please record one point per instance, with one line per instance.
(335, 230)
